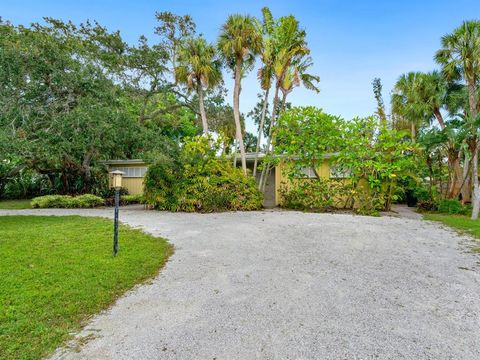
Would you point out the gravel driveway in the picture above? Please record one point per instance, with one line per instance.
(289, 285)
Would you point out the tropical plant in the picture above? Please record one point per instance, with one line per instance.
(239, 42)
(377, 93)
(199, 180)
(307, 134)
(375, 157)
(198, 67)
(265, 74)
(460, 58)
(290, 47)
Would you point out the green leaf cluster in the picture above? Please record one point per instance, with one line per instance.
(198, 179)
(67, 201)
(372, 156)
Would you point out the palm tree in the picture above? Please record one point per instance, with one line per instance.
(239, 42)
(407, 104)
(433, 93)
(265, 74)
(288, 43)
(199, 69)
(296, 75)
(460, 58)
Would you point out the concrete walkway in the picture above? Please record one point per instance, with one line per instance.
(290, 285)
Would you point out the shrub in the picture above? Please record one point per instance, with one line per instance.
(311, 194)
(50, 201)
(24, 185)
(131, 199)
(427, 205)
(66, 201)
(200, 181)
(124, 199)
(452, 206)
(87, 201)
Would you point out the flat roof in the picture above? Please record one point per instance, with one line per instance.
(248, 156)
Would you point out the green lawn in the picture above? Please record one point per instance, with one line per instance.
(15, 204)
(459, 222)
(57, 271)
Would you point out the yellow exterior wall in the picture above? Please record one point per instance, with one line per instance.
(134, 185)
(282, 179)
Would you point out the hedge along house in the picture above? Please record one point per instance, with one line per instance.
(135, 170)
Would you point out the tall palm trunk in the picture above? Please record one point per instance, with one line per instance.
(284, 101)
(455, 169)
(456, 173)
(466, 187)
(236, 113)
(439, 117)
(476, 190)
(266, 166)
(201, 104)
(413, 131)
(260, 130)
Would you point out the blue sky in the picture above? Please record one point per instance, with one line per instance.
(351, 42)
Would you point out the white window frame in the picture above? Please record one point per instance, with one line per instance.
(307, 173)
(337, 173)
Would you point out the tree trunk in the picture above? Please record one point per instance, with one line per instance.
(263, 176)
(439, 117)
(284, 101)
(201, 105)
(473, 113)
(260, 130)
(465, 188)
(455, 172)
(236, 113)
(476, 190)
(413, 131)
(454, 168)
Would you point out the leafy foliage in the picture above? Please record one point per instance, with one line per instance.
(66, 201)
(453, 207)
(70, 96)
(199, 180)
(313, 194)
(307, 134)
(371, 156)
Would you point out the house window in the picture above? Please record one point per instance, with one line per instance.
(338, 172)
(132, 172)
(307, 172)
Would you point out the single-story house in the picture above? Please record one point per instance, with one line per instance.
(135, 170)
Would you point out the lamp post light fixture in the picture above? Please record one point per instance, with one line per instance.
(117, 185)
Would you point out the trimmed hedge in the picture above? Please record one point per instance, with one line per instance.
(131, 199)
(67, 201)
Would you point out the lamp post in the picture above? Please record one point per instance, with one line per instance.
(117, 185)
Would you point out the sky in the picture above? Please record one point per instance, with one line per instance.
(351, 42)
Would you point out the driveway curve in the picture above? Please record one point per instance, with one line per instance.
(290, 285)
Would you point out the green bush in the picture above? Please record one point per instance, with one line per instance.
(67, 201)
(311, 194)
(131, 199)
(427, 205)
(199, 180)
(452, 206)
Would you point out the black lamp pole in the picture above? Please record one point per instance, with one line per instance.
(117, 185)
(115, 222)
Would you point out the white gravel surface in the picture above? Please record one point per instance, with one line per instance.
(290, 285)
